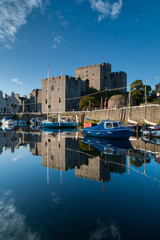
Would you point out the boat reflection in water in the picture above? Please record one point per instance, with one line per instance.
(59, 130)
(151, 140)
(109, 146)
(6, 128)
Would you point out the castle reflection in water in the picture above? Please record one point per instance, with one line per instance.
(65, 151)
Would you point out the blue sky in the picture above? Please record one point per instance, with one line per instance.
(74, 33)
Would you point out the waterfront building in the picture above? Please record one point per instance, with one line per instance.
(157, 90)
(15, 103)
(2, 103)
(35, 100)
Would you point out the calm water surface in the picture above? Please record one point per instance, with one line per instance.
(63, 186)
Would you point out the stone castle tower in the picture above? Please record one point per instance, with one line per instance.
(99, 76)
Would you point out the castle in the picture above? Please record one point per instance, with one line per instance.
(63, 93)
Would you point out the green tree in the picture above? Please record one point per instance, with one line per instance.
(138, 91)
(152, 97)
(84, 102)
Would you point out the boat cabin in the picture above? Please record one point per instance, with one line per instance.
(112, 124)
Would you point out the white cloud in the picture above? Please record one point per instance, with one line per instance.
(13, 15)
(79, 1)
(106, 9)
(16, 158)
(63, 22)
(12, 223)
(57, 41)
(15, 80)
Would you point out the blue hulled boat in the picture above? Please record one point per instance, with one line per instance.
(108, 129)
(63, 122)
(59, 130)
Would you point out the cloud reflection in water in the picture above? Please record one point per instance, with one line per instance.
(12, 223)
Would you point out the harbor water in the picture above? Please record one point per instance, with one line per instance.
(61, 185)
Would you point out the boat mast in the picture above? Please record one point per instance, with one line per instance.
(60, 97)
(48, 90)
(129, 101)
(145, 101)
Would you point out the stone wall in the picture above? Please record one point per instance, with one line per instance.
(136, 113)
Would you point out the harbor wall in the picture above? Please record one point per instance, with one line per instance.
(137, 113)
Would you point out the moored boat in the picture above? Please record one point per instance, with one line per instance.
(63, 122)
(151, 140)
(151, 131)
(108, 129)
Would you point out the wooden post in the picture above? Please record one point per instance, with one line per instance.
(89, 108)
(101, 102)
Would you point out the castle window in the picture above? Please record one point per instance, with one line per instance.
(59, 100)
(52, 88)
(45, 101)
(49, 106)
